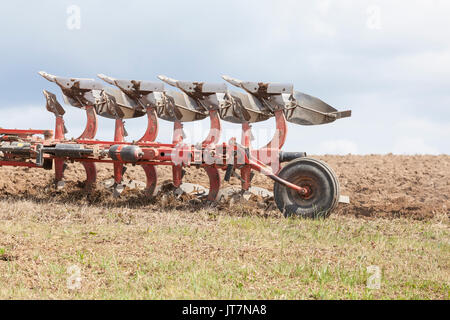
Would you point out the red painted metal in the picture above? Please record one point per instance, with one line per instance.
(110, 143)
(59, 135)
(119, 137)
(59, 128)
(91, 125)
(159, 159)
(177, 170)
(214, 130)
(246, 136)
(48, 134)
(178, 134)
(214, 182)
(246, 170)
(88, 134)
(59, 169)
(211, 140)
(269, 154)
(177, 175)
(162, 154)
(261, 167)
(150, 136)
(91, 173)
(150, 173)
(279, 138)
(152, 126)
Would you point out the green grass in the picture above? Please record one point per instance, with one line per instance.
(149, 254)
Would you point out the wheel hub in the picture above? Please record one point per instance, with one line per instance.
(307, 193)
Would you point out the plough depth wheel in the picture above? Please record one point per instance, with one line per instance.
(319, 180)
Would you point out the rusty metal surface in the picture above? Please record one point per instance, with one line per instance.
(299, 108)
(78, 92)
(108, 102)
(52, 104)
(143, 93)
(309, 110)
(258, 102)
(241, 107)
(209, 96)
(236, 107)
(113, 103)
(180, 107)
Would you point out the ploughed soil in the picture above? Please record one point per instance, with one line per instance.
(378, 186)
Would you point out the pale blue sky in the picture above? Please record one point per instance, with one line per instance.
(387, 61)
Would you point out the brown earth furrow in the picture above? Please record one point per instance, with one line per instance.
(378, 186)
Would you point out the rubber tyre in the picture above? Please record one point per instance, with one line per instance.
(315, 175)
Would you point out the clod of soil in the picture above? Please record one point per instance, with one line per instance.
(6, 257)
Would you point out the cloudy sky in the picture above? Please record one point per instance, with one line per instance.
(388, 61)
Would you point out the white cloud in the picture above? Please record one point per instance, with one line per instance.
(338, 146)
(424, 126)
(406, 145)
(420, 136)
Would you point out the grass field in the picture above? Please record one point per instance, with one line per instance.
(146, 253)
